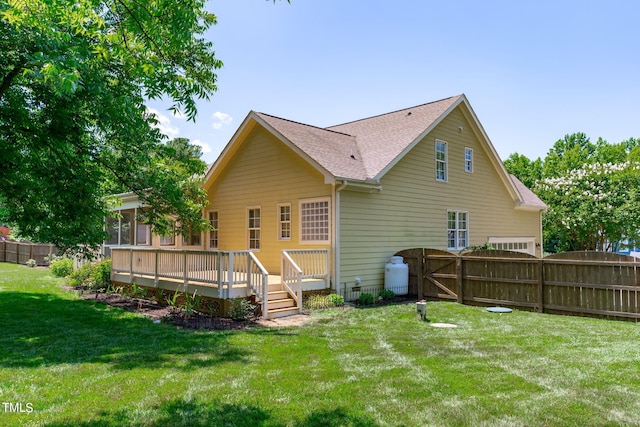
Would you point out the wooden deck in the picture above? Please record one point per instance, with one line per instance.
(222, 274)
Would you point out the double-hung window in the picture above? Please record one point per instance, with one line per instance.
(441, 161)
(457, 230)
(253, 227)
(213, 233)
(284, 221)
(468, 160)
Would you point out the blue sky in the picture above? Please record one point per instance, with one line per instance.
(532, 71)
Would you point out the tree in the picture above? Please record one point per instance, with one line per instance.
(527, 171)
(591, 190)
(74, 77)
(592, 208)
(569, 153)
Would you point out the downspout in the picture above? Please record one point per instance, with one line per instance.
(336, 231)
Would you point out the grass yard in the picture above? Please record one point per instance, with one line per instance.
(78, 363)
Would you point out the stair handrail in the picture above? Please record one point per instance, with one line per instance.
(292, 278)
(261, 289)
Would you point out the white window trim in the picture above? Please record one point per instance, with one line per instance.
(445, 161)
(469, 162)
(530, 241)
(249, 208)
(457, 230)
(300, 225)
(217, 230)
(280, 221)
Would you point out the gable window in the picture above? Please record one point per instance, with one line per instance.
(213, 233)
(314, 221)
(441, 161)
(284, 221)
(468, 160)
(253, 227)
(457, 229)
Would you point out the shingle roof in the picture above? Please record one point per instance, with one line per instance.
(529, 198)
(383, 138)
(361, 149)
(335, 151)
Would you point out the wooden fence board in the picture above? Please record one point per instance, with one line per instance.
(21, 252)
(576, 283)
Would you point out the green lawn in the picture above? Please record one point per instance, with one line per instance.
(78, 363)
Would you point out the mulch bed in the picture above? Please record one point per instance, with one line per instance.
(163, 313)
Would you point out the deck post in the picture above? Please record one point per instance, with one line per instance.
(130, 265)
(265, 296)
(229, 276)
(186, 280)
(249, 291)
(328, 269)
(156, 279)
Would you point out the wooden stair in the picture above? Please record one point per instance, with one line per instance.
(280, 303)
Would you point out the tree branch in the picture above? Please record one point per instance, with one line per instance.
(8, 79)
(142, 29)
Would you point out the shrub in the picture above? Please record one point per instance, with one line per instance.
(241, 309)
(95, 276)
(387, 294)
(366, 299)
(336, 300)
(61, 267)
(317, 302)
(31, 263)
(101, 274)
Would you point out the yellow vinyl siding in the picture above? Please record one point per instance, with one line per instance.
(263, 172)
(411, 210)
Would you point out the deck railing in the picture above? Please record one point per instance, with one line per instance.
(313, 263)
(292, 278)
(227, 271)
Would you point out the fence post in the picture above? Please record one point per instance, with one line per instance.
(459, 278)
(541, 285)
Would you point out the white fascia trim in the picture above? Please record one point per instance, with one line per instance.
(418, 139)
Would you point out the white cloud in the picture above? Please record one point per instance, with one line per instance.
(221, 119)
(164, 123)
(206, 148)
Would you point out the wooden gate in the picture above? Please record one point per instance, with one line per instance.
(432, 273)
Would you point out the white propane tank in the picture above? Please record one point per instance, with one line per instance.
(396, 276)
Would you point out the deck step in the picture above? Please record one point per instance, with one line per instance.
(283, 312)
(275, 295)
(281, 303)
(274, 287)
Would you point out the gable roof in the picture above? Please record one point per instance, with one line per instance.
(529, 199)
(385, 137)
(364, 150)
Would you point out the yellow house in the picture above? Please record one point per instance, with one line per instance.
(342, 200)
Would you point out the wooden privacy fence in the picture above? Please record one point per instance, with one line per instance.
(577, 283)
(20, 253)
